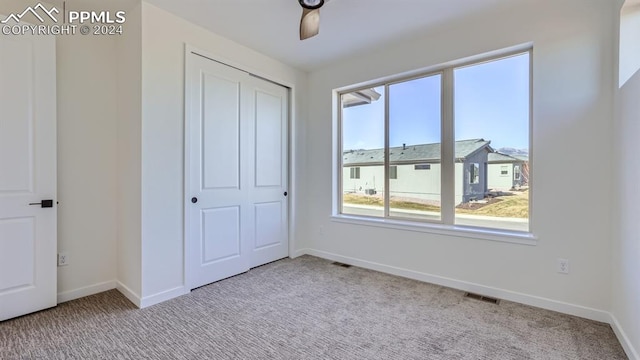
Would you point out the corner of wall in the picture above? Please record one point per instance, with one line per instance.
(625, 341)
(129, 294)
(129, 89)
(625, 267)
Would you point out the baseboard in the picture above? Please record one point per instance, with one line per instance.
(544, 303)
(299, 253)
(86, 291)
(129, 294)
(631, 352)
(162, 296)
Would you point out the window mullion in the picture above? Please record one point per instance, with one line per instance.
(339, 171)
(386, 151)
(448, 149)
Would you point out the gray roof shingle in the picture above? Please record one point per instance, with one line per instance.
(422, 153)
(502, 158)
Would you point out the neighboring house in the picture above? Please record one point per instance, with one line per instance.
(414, 171)
(506, 172)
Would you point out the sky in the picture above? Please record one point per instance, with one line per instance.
(491, 102)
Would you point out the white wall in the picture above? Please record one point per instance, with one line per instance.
(129, 153)
(495, 178)
(573, 61)
(626, 239)
(86, 161)
(163, 43)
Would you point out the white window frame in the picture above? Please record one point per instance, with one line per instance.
(446, 225)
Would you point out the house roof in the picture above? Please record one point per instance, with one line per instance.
(524, 158)
(502, 158)
(413, 154)
(361, 97)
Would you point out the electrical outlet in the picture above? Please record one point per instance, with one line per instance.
(563, 266)
(63, 258)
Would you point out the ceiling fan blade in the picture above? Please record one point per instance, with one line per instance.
(310, 23)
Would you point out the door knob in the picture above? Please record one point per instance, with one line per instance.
(286, 193)
(194, 200)
(44, 204)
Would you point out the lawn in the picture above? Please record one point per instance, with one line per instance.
(513, 206)
(395, 204)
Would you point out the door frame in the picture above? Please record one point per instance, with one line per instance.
(292, 156)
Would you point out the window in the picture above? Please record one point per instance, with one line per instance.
(474, 173)
(393, 172)
(363, 119)
(447, 121)
(354, 173)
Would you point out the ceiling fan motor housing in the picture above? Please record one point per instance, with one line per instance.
(311, 4)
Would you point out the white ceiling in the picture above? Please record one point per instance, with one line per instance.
(347, 26)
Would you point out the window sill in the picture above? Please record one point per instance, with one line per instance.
(514, 237)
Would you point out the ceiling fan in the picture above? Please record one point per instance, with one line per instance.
(310, 22)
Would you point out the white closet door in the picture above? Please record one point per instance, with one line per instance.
(235, 199)
(269, 181)
(28, 278)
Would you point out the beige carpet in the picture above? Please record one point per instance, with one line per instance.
(306, 308)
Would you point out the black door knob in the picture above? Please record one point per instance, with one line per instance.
(286, 193)
(194, 200)
(44, 203)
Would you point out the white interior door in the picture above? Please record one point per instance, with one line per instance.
(236, 171)
(27, 174)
